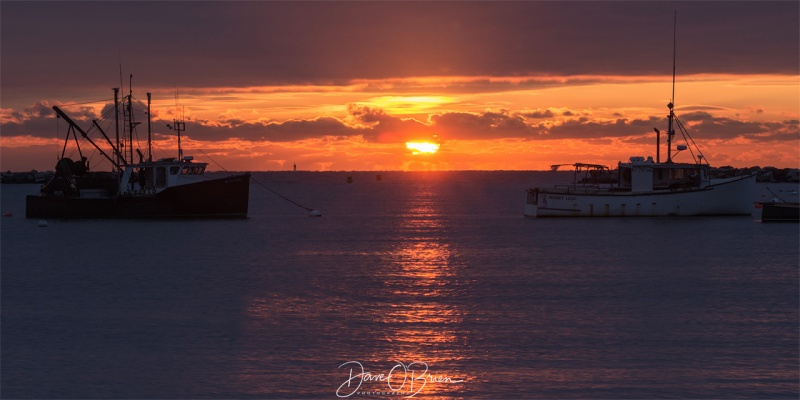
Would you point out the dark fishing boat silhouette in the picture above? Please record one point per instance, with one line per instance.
(171, 187)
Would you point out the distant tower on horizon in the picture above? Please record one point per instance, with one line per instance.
(294, 166)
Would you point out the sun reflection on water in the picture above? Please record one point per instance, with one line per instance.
(424, 323)
(396, 303)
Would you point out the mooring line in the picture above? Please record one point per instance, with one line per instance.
(312, 212)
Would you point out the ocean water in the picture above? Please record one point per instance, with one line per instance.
(422, 285)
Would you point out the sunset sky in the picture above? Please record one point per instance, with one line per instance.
(344, 85)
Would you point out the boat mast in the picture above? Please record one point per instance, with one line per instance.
(671, 105)
(131, 124)
(120, 159)
(658, 145)
(149, 140)
(178, 125)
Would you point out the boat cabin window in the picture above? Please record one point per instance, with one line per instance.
(624, 176)
(161, 176)
(174, 170)
(193, 170)
(668, 177)
(684, 173)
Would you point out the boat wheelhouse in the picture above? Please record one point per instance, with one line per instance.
(163, 173)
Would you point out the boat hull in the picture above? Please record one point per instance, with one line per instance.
(729, 197)
(780, 212)
(215, 198)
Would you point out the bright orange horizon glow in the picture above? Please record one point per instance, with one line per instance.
(514, 123)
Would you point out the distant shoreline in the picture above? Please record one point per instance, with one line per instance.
(765, 174)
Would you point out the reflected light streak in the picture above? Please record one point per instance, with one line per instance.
(426, 324)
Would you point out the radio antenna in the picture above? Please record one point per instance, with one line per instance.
(671, 105)
(674, 52)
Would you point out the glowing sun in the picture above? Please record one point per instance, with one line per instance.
(422, 147)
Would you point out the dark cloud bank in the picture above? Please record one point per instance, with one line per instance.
(188, 44)
(376, 126)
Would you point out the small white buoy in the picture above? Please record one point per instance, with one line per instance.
(314, 213)
(42, 223)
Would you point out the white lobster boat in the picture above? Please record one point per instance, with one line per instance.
(643, 187)
(646, 188)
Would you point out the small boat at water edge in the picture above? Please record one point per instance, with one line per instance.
(172, 187)
(779, 211)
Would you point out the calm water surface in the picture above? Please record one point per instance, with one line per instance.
(435, 268)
